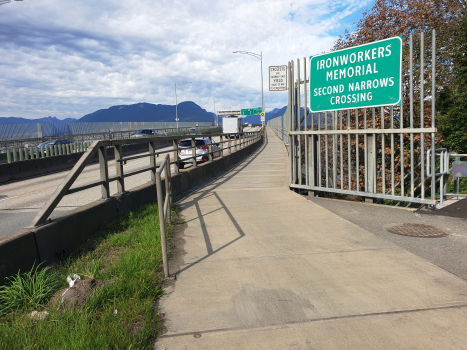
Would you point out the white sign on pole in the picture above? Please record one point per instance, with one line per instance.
(277, 78)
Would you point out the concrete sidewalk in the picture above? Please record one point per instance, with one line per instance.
(267, 269)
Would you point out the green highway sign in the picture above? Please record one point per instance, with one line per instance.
(362, 76)
(252, 111)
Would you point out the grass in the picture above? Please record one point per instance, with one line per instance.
(28, 291)
(127, 255)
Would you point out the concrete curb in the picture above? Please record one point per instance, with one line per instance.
(19, 250)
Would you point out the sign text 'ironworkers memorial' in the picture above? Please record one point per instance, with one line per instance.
(277, 78)
(362, 76)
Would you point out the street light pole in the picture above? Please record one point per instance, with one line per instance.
(176, 102)
(260, 57)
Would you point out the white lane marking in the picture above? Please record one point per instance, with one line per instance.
(4, 199)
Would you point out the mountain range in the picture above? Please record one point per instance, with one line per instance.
(187, 111)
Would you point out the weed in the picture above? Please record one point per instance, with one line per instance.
(29, 290)
(127, 255)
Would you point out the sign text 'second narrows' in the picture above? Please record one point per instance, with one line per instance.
(362, 76)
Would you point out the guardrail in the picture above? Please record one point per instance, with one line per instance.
(164, 207)
(239, 141)
(21, 154)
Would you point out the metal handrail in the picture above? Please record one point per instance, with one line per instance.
(100, 147)
(164, 207)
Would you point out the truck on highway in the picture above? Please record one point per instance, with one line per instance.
(232, 125)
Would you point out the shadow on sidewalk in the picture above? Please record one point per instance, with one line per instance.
(203, 194)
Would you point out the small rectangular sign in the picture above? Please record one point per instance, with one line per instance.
(459, 169)
(358, 77)
(277, 78)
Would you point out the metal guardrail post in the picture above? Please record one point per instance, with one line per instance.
(8, 155)
(221, 144)
(210, 149)
(193, 152)
(104, 172)
(26, 154)
(152, 160)
(230, 145)
(119, 168)
(15, 156)
(163, 207)
(175, 156)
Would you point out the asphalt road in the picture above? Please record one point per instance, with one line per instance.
(21, 200)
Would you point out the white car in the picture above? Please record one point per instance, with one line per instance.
(202, 151)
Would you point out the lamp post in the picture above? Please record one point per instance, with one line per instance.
(260, 57)
(176, 102)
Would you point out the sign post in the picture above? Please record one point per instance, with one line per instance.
(358, 77)
(277, 78)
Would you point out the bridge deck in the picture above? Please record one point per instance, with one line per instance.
(266, 269)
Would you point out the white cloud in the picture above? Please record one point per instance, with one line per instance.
(70, 58)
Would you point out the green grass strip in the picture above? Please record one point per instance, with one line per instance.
(127, 256)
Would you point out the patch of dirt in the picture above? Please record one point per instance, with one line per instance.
(77, 295)
(177, 251)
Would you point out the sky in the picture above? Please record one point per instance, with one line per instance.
(70, 58)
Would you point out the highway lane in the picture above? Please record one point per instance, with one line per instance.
(21, 200)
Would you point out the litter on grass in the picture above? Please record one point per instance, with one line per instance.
(72, 280)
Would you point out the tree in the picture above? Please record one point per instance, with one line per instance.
(452, 102)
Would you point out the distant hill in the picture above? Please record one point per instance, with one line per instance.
(13, 120)
(140, 112)
(147, 112)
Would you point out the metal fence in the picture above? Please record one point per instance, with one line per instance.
(24, 145)
(377, 153)
(238, 142)
(10, 132)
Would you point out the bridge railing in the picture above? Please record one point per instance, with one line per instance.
(228, 142)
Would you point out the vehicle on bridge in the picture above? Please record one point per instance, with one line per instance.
(147, 132)
(232, 125)
(185, 152)
(53, 143)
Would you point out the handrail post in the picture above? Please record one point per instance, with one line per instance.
(160, 205)
(119, 168)
(104, 172)
(168, 189)
(193, 151)
(221, 143)
(230, 145)
(176, 159)
(210, 149)
(152, 160)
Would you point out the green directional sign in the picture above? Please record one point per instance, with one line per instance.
(252, 111)
(362, 76)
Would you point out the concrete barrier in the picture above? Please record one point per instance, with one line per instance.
(18, 252)
(28, 168)
(5, 173)
(60, 236)
(71, 229)
(60, 163)
(3, 158)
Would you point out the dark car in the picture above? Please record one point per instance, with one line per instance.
(44, 145)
